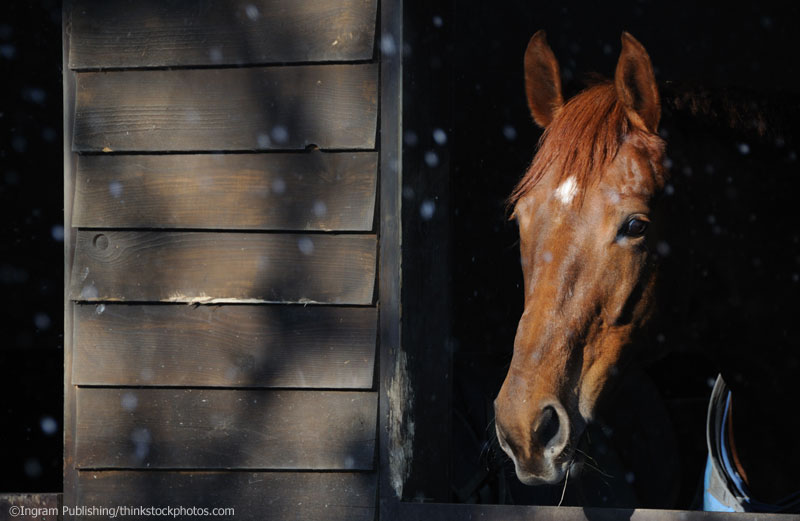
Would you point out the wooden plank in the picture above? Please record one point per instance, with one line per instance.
(157, 33)
(306, 191)
(262, 108)
(408, 511)
(205, 267)
(289, 496)
(227, 346)
(392, 384)
(40, 506)
(231, 429)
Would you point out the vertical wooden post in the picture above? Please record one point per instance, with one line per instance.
(390, 229)
(70, 160)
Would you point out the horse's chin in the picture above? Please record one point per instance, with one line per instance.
(553, 476)
(555, 471)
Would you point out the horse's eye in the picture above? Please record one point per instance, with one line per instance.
(635, 227)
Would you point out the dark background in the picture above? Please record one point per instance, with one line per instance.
(31, 246)
(464, 78)
(730, 215)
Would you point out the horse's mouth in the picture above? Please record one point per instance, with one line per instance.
(552, 469)
(527, 478)
(570, 467)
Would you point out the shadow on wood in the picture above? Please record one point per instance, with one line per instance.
(322, 441)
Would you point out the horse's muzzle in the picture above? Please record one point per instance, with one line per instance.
(537, 445)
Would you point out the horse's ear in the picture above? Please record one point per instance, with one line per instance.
(636, 85)
(542, 80)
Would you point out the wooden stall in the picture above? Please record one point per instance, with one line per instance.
(222, 170)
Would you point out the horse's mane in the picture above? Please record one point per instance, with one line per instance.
(582, 140)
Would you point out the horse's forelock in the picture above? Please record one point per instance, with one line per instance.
(581, 141)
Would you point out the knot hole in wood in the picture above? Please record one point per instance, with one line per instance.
(100, 241)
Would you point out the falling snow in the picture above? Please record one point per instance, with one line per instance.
(215, 54)
(388, 46)
(57, 232)
(252, 12)
(278, 185)
(305, 245)
(431, 159)
(280, 134)
(427, 209)
(320, 208)
(115, 189)
(129, 402)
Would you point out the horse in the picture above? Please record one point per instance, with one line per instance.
(590, 212)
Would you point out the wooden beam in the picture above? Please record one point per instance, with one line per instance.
(394, 454)
(263, 108)
(256, 496)
(225, 346)
(158, 33)
(306, 191)
(408, 511)
(204, 267)
(225, 429)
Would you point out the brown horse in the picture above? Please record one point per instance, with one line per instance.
(583, 210)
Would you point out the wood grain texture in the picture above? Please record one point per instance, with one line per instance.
(410, 511)
(392, 457)
(226, 346)
(262, 108)
(205, 267)
(225, 429)
(48, 505)
(157, 33)
(306, 191)
(256, 496)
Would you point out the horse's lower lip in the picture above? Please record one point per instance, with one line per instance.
(537, 480)
(557, 476)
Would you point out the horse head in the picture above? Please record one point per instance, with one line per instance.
(583, 209)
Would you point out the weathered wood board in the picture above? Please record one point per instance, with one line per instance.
(157, 33)
(213, 141)
(305, 191)
(225, 346)
(257, 496)
(46, 504)
(225, 429)
(205, 267)
(261, 108)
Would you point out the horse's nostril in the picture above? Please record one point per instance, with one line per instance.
(548, 427)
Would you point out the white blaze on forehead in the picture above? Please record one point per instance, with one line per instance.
(566, 190)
